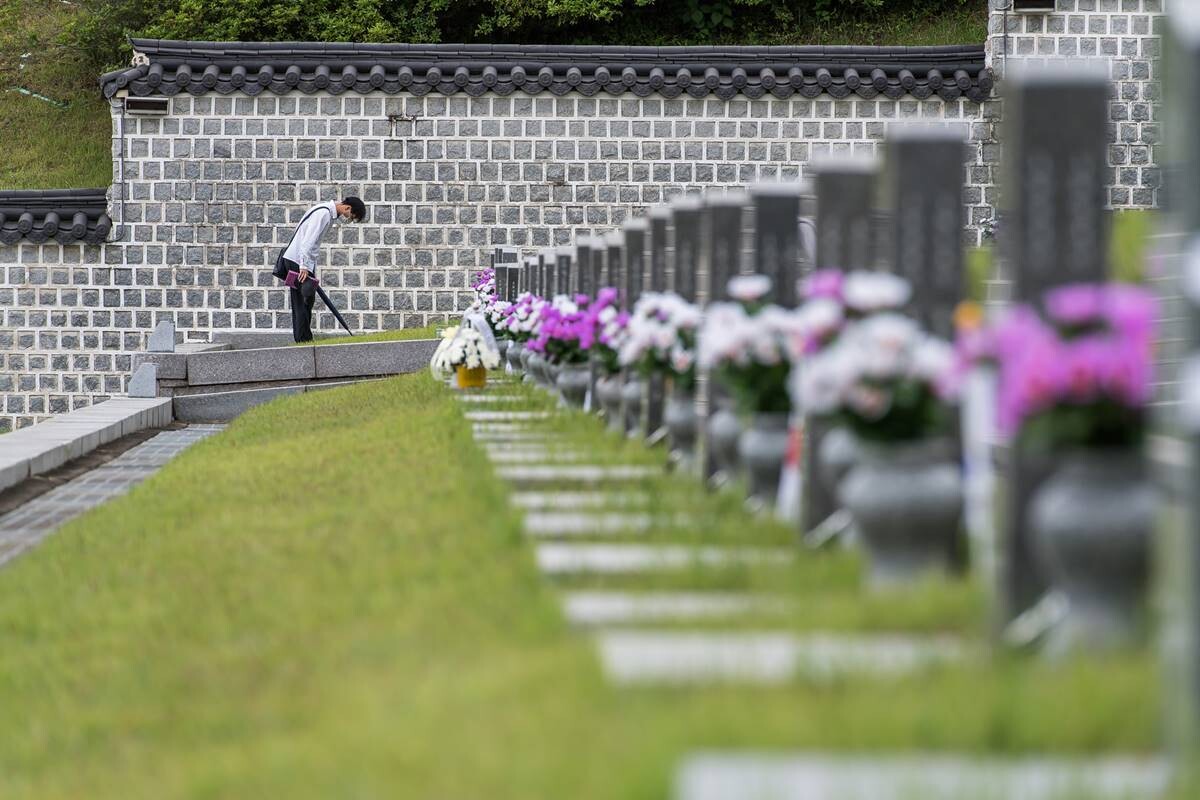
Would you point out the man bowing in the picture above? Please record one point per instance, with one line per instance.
(301, 256)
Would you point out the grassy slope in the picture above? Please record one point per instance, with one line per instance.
(213, 634)
(47, 147)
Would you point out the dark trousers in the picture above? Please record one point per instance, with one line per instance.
(302, 298)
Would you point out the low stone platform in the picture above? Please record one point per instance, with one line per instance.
(41, 448)
(821, 776)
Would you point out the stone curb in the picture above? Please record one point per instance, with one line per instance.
(41, 448)
(308, 363)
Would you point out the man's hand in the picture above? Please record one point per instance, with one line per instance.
(303, 275)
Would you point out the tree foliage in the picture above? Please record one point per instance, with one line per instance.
(99, 33)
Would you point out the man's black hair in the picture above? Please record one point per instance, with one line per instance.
(357, 207)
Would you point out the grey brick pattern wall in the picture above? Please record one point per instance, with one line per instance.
(209, 192)
(211, 189)
(1124, 33)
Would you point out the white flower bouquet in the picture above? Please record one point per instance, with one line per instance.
(462, 347)
(661, 337)
(884, 377)
(750, 347)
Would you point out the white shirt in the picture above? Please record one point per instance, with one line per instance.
(306, 244)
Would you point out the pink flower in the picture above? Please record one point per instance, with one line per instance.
(824, 283)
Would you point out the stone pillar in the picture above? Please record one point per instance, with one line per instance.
(1055, 231)
(845, 197)
(655, 279)
(720, 260)
(614, 244)
(564, 269)
(1180, 422)
(923, 181)
(636, 231)
(582, 281)
(683, 263)
(845, 192)
(776, 246)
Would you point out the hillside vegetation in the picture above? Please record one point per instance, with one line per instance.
(57, 48)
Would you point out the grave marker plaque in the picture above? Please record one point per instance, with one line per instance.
(683, 265)
(655, 280)
(614, 244)
(923, 182)
(845, 196)
(1182, 622)
(776, 245)
(635, 231)
(1056, 232)
(564, 268)
(583, 267)
(720, 260)
(844, 218)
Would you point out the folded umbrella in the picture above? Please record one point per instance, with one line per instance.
(293, 281)
(332, 308)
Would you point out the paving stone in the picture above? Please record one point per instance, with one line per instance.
(616, 559)
(473, 397)
(823, 776)
(26, 526)
(507, 455)
(679, 657)
(577, 473)
(41, 448)
(579, 500)
(551, 524)
(505, 416)
(251, 366)
(632, 608)
(373, 358)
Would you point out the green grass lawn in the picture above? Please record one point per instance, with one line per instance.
(333, 599)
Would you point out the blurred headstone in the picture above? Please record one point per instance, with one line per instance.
(655, 280)
(776, 241)
(583, 269)
(614, 243)
(720, 259)
(845, 192)
(923, 180)
(1180, 423)
(1056, 232)
(564, 258)
(682, 265)
(636, 231)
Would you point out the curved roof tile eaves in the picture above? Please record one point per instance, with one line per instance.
(949, 72)
(59, 215)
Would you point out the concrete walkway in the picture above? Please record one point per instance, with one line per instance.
(28, 525)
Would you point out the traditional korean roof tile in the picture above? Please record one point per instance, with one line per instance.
(163, 67)
(60, 215)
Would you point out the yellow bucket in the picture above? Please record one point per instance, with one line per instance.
(471, 378)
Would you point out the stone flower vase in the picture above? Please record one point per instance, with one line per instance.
(724, 433)
(533, 369)
(762, 448)
(837, 455)
(631, 404)
(906, 499)
(608, 393)
(680, 418)
(1092, 521)
(515, 351)
(572, 383)
(527, 364)
(503, 344)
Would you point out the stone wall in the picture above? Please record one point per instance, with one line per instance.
(1126, 34)
(211, 187)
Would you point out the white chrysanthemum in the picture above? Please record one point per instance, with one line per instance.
(869, 292)
(749, 288)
